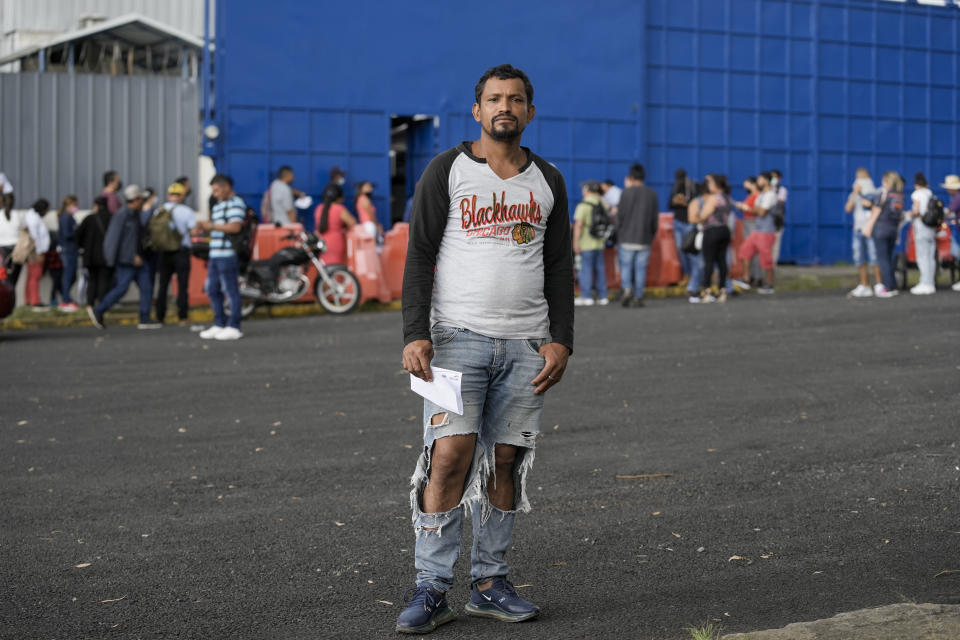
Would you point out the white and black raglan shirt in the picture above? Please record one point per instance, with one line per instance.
(489, 255)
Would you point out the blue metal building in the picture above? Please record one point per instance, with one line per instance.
(815, 88)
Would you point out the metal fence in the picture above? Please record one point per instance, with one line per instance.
(59, 133)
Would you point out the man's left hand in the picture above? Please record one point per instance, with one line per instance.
(556, 356)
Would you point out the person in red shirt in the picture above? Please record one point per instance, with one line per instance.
(333, 220)
(749, 221)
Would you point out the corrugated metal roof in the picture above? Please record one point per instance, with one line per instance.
(133, 30)
(66, 15)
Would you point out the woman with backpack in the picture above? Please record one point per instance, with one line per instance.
(884, 227)
(714, 216)
(332, 222)
(924, 237)
(90, 236)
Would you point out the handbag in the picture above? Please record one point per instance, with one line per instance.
(692, 241)
(25, 250)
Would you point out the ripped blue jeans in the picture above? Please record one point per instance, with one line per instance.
(499, 406)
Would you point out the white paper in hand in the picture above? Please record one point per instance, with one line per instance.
(444, 391)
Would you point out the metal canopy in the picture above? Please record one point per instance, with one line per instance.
(143, 42)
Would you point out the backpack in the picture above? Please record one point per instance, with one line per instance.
(243, 240)
(162, 232)
(779, 214)
(933, 216)
(600, 226)
(266, 208)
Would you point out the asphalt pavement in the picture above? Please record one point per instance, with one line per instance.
(804, 448)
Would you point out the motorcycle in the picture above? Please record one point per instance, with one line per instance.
(281, 278)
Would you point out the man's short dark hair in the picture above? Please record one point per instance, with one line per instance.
(109, 177)
(637, 172)
(504, 72)
(222, 179)
(284, 170)
(608, 182)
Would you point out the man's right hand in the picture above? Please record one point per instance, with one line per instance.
(416, 359)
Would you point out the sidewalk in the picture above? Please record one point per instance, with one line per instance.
(894, 622)
(789, 278)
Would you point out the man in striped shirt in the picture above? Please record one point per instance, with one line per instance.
(226, 218)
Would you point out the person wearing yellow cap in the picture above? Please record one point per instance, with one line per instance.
(170, 228)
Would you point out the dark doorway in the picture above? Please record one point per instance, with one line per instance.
(413, 143)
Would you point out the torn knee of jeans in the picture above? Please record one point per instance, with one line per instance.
(440, 419)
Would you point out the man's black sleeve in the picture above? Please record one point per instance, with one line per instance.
(428, 220)
(558, 260)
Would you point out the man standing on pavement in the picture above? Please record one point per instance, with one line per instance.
(638, 217)
(227, 218)
(488, 292)
(173, 248)
(764, 235)
(123, 249)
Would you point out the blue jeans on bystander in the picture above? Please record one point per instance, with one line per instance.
(222, 279)
(593, 273)
(633, 269)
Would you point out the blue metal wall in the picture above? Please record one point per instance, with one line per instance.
(813, 87)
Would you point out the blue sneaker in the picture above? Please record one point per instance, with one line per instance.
(427, 610)
(500, 601)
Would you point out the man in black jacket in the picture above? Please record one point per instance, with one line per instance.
(123, 250)
(637, 219)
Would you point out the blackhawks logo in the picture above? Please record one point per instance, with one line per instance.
(523, 233)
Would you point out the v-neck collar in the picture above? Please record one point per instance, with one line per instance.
(465, 148)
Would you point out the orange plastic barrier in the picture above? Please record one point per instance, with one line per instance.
(363, 260)
(394, 257)
(664, 268)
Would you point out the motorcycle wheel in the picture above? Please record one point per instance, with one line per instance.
(247, 309)
(341, 294)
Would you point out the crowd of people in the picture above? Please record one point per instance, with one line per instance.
(132, 235)
(705, 217)
(126, 228)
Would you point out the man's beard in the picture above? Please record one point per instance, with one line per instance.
(504, 135)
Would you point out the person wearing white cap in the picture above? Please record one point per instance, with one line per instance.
(122, 249)
(952, 184)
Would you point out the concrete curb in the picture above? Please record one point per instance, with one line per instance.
(894, 622)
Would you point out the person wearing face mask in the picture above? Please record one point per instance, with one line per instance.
(69, 252)
(366, 212)
(864, 250)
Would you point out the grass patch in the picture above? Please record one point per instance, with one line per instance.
(707, 631)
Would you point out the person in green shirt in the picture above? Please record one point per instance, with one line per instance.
(593, 272)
